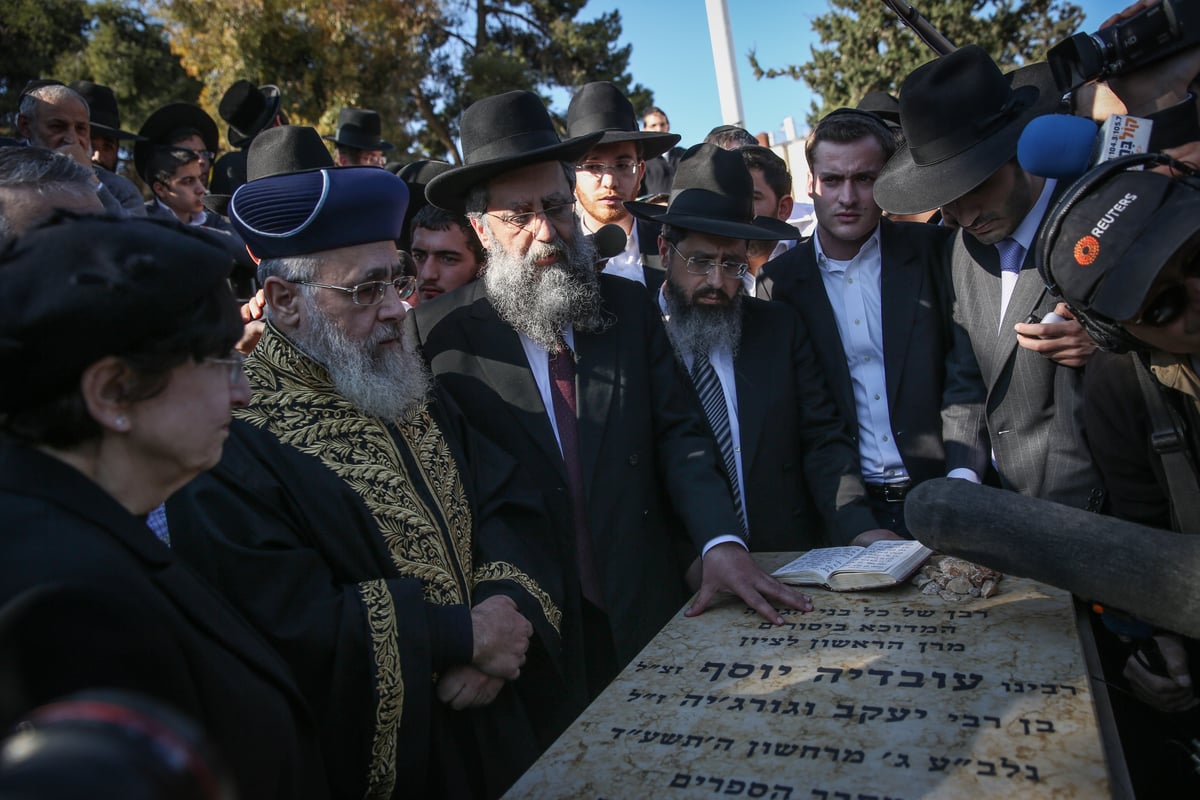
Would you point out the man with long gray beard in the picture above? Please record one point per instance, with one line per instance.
(572, 373)
(389, 554)
(753, 367)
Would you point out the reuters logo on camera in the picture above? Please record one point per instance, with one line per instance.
(1087, 250)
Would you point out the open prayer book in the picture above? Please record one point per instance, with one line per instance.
(844, 569)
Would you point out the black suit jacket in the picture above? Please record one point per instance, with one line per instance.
(641, 435)
(652, 267)
(660, 173)
(793, 444)
(92, 599)
(917, 334)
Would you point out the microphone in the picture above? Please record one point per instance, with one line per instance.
(1064, 147)
(1143, 571)
(609, 240)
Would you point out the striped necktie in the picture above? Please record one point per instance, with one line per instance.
(712, 397)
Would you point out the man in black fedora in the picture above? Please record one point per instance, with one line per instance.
(358, 141)
(249, 110)
(106, 123)
(179, 125)
(1019, 397)
(571, 372)
(610, 173)
(752, 365)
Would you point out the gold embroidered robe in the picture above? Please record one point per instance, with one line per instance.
(357, 547)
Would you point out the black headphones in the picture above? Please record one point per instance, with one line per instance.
(1109, 334)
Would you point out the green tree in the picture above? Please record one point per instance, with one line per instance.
(130, 54)
(33, 34)
(417, 62)
(865, 46)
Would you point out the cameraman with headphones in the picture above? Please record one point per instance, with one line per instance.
(1122, 248)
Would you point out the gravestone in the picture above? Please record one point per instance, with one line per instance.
(872, 695)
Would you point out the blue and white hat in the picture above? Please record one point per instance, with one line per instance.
(309, 212)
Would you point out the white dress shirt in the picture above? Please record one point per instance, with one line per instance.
(855, 294)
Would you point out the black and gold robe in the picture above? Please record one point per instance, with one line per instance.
(358, 546)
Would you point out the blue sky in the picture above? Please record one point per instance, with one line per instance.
(672, 55)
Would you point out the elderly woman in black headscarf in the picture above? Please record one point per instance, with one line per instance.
(116, 342)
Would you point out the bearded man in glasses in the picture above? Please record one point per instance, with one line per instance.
(387, 552)
(753, 366)
(571, 372)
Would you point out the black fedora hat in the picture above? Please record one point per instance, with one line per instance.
(359, 128)
(713, 193)
(961, 118)
(248, 109)
(501, 133)
(601, 106)
(102, 108)
(281, 150)
(164, 121)
(882, 105)
(417, 175)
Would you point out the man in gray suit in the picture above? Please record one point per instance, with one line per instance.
(1020, 396)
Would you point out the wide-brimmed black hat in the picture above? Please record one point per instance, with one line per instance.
(359, 128)
(81, 288)
(882, 105)
(961, 118)
(276, 151)
(502, 133)
(417, 175)
(248, 109)
(713, 193)
(102, 108)
(1111, 234)
(159, 126)
(601, 106)
(308, 212)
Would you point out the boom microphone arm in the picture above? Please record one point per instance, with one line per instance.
(1149, 573)
(921, 27)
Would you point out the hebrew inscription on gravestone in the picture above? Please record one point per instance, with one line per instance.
(886, 694)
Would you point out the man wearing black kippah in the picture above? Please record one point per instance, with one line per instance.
(355, 520)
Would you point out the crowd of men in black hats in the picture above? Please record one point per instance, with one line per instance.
(485, 427)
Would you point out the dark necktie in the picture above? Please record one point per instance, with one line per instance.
(712, 397)
(562, 391)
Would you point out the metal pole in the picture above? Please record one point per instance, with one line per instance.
(721, 34)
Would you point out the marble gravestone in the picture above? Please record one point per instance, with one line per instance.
(872, 695)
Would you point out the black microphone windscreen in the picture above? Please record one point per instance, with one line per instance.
(609, 240)
(1143, 571)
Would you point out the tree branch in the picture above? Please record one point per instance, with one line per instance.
(530, 22)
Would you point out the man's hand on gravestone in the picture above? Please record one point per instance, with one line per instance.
(728, 567)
